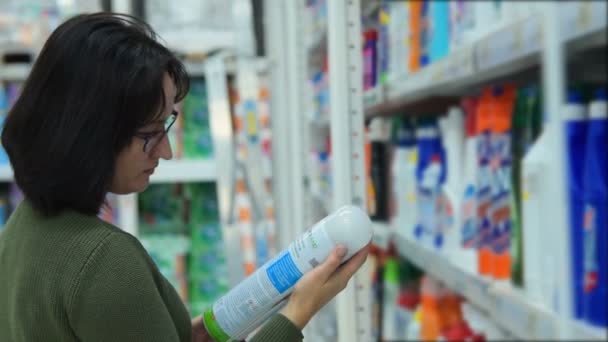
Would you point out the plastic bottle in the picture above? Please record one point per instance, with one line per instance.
(431, 323)
(526, 126)
(390, 294)
(503, 97)
(246, 228)
(404, 179)
(379, 134)
(439, 19)
(252, 301)
(575, 122)
(452, 132)
(430, 175)
(370, 59)
(469, 236)
(596, 213)
(415, 24)
(414, 328)
(538, 266)
(484, 195)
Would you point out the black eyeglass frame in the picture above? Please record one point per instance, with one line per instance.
(146, 137)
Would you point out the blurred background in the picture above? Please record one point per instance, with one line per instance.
(473, 132)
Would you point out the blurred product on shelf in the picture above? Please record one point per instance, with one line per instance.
(575, 122)
(451, 127)
(180, 229)
(370, 59)
(595, 226)
(403, 177)
(9, 93)
(378, 138)
(3, 112)
(254, 207)
(466, 257)
(500, 168)
(525, 129)
(430, 175)
(196, 134)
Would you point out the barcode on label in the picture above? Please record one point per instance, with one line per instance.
(313, 262)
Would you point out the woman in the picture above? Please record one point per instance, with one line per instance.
(92, 119)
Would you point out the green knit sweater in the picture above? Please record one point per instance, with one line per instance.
(77, 278)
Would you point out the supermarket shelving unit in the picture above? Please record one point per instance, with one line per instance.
(516, 46)
(512, 48)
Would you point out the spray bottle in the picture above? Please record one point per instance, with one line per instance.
(235, 315)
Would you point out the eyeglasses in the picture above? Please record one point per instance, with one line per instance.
(151, 139)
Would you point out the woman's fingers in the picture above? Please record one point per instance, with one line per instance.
(340, 278)
(333, 261)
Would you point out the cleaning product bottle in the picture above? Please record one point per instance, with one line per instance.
(503, 101)
(415, 24)
(526, 125)
(390, 296)
(595, 267)
(484, 194)
(575, 121)
(246, 231)
(439, 19)
(429, 174)
(379, 135)
(404, 178)
(256, 298)
(431, 323)
(452, 132)
(469, 236)
(414, 328)
(540, 264)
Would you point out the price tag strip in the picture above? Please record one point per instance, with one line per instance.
(347, 132)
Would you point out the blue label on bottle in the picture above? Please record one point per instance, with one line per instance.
(283, 273)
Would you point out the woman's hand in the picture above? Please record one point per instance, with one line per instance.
(199, 333)
(317, 287)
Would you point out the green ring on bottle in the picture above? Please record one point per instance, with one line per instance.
(213, 328)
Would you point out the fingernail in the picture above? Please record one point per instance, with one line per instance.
(341, 250)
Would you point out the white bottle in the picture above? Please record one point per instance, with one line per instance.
(452, 131)
(467, 255)
(428, 203)
(533, 190)
(404, 183)
(235, 315)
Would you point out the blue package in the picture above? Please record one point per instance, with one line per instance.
(595, 237)
(439, 20)
(576, 134)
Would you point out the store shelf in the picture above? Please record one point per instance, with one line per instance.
(505, 304)
(14, 72)
(6, 173)
(172, 171)
(509, 49)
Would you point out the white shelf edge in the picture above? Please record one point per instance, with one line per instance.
(171, 171)
(506, 305)
(184, 170)
(14, 72)
(6, 173)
